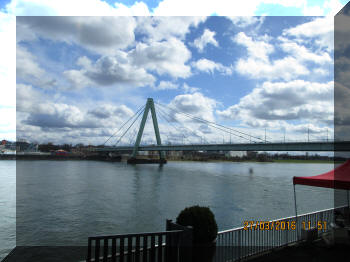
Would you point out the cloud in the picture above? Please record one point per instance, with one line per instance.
(29, 71)
(287, 68)
(89, 32)
(332, 6)
(256, 49)
(206, 38)
(259, 65)
(107, 71)
(294, 100)
(166, 85)
(27, 97)
(165, 57)
(106, 111)
(38, 109)
(195, 104)
(190, 89)
(159, 28)
(48, 121)
(209, 66)
(303, 54)
(319, 29)
(245, 21)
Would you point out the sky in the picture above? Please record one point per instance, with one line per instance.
(78, 79)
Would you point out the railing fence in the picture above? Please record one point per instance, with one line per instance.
(256, 238)
(173, 245)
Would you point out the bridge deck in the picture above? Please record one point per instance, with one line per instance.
(290, 146)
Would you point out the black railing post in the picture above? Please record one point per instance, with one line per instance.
(129, 257)
(97, 250)
(121, 249)
(144, 250)
(114, 250)
(186, 244)
(137, 249)
(89, 251)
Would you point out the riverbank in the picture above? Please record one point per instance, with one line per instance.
(59, 157)
(290, 161)
(119, 159)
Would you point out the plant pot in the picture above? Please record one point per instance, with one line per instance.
(204, 252)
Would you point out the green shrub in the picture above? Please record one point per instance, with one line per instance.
(203, 222)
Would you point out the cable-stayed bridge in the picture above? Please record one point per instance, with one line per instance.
(184, 135)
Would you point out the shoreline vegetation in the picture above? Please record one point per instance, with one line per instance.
(187, 159)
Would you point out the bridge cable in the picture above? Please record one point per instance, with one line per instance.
(191, 131)
(203, 120)
(206, 124)
(124, 124)
(217, 126)
(128, 128)
(164, 116)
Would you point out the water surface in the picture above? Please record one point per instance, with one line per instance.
(64, 202)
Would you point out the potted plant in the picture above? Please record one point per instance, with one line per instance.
(205, 231)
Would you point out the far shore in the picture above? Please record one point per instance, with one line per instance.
(97, 158)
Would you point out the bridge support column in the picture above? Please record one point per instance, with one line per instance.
(149, 107)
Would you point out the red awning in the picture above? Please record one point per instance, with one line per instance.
(338, 178)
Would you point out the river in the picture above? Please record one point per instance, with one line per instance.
(64, 202)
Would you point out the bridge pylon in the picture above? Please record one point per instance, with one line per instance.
(149, 107)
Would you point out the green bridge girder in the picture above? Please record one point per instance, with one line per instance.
(343, 146)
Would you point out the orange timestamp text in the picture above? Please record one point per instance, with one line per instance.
(283, 225)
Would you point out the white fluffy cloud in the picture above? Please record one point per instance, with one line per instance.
(91, 33)
(259, 65)
(107, 71)
(244, 21)
(166, 85)
(206, 38)
(195, 104)
(286, 69)
(209, 66)
(259, 49)
(302, 53)
(160, 28)
(28, 70)
(166, 57)
(319, 29)
(65, 123)
(294, 100)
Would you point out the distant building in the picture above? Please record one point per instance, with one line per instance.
(61, 152)
(23, 146)
(236, 153)
(174, 153)
(252, 154)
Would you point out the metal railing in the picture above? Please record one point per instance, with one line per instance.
(256, 238)
(134, 247)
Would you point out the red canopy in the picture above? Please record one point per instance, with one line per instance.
(338, 178)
